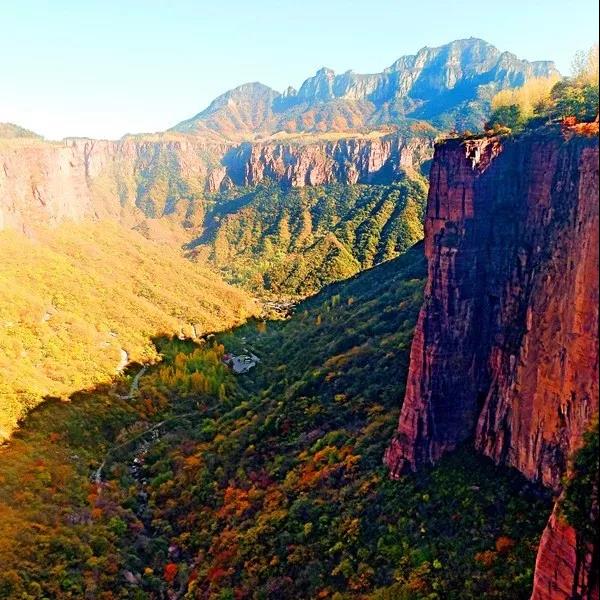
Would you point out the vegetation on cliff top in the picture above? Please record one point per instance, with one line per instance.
(266, 486)
(552, 98)
(10, 130)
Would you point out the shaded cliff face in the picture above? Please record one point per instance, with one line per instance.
(506, 345)
(137, 177)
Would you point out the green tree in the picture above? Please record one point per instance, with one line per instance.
(507, 116)
(580, 504)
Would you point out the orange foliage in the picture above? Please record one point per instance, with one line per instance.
(325, 462)
(587, 129)
(170, 572)
(215, 574)
(235, 502)
(504, 544)
(486, 558)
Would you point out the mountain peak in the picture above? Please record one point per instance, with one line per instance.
(448, 85)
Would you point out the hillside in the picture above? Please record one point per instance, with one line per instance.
(296, 241)
(450, 87)
(74, 299)
(269, 485)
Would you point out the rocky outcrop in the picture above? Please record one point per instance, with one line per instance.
(566, 567)
(505, 351)
(353, 160)
(506, 343)
(156, 176)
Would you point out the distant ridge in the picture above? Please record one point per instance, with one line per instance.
(449, 86)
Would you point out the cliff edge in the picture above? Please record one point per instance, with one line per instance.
(505, 351)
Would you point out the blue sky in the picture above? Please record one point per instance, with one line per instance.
(103, 68)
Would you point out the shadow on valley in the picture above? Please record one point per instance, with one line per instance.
(263, 485)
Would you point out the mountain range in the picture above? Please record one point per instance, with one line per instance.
(449, 87)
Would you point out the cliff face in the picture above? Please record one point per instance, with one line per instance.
(565, 566)
(506, 345)
(354, 160)
(43, 182)
(47, 183)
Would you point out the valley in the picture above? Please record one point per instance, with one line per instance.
(264, 490)
(410, 260)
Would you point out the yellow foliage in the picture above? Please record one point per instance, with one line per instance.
(534, 93)
(585, 66)
(73, 298)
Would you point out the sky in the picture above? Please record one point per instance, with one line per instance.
(103, 68)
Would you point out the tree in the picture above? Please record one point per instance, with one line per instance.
(580, 503)
(584, 66)
(506, 116)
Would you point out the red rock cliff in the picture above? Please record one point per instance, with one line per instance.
(566, 567)
(506, 345)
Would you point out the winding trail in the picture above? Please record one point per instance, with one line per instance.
(133, 388)
(135, 384)
(155, 427)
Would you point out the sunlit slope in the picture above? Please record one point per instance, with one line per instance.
(75, 299)
(296, 241)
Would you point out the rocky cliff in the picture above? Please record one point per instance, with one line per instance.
(566, 567)
(50, 182)
(506, 346)
(371, 159)
(151, 177)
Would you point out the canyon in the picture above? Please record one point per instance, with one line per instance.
(287, 194)
(505, 351)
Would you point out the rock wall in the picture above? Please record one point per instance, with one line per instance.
(354, 160)
(565, 566)
(505, 351)
(46, 182)
(77, 179)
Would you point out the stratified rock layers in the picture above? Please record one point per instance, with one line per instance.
(47, 183)
(506, 345)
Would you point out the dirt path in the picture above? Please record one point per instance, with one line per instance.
(135, 384)
(98, 472)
